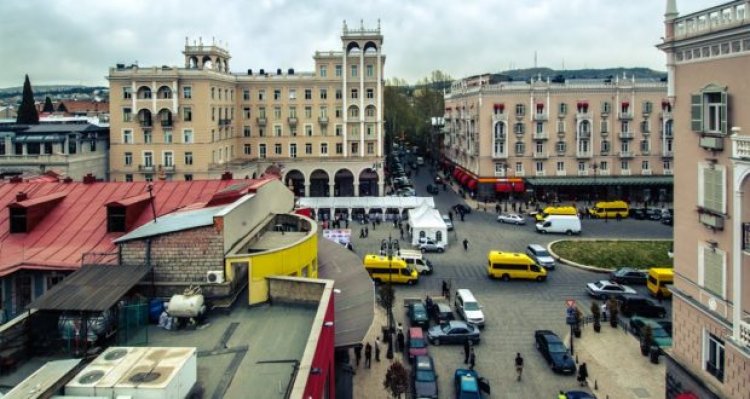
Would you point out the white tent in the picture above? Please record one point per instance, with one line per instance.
(427, 222)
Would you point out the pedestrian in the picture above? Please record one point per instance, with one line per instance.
(467, 351)
(377, 351)
(357, 354)
(349, 246)
(400, 339)
(367, 232)
(618, 217)
(472, 358)
(368, 355)
(466, 244)
(428, 304)
(445, 289)
(401, 231)
(462, 216)
(497, 208)
(347, 222)
(583, 374)
(450, 216)
(361, 233)
(373, 224)
(519, 366)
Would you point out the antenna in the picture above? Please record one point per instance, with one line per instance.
(150, 190)
(535, 64)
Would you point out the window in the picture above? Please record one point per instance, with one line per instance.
(520, 109)
(262, 113)
(519, 167)
(561, 126)
(645, 165)
(292, 112)
(605, 146)
(539, 127)
(605, 126)
(370, 70)
(246, 113)
(645, 127)
(499, 168)
(625, 126)
(583, 146)
(308, 112)
(370, 93)
(323, 94)
(293, 150)
(540, 166)
(625, 146)
(520, 147)
(581, 166)
(127, 115)
(167, 137)
(277, 149)
(308, 130)
(276, 113)
(277, 130)
(187, 136)
(323, 148)
(339, 148)
(261, 95)
(625, 165)
(603, 165)
(606, 107)
(667, 165)
(338, 94)
(128, 177)
(148, 159)
(354, 112)
(308, 94)
(708, 110)
(339, 129)
(246, 131)
(189, 177)
(711, 192)
(354, 70)
(337, 112)
(277, 94)
(648, 106)
(561, 146)
(188, 158)
(539, 147)
(246, 94)
(127, 93)
(213, 93)
(560, 166)
(247, 149)
(518, 128)
(292, 94)
(562, 109)
(370, 148)
(355, 94)
(147, 136)
(187, 92)
(713, 355)
(337, 70)
(323, 71)
(127, 136)
(187, 114)
(128, 159)
(262, 151)
(308, 148)
(168, 158)
(645, 146)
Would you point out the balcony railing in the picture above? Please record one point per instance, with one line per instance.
(583, 154)
(167, 123)
(540, 155)
(583, 173)
(561, 173)
(146, 124)
(261, 121)
(145, 168)
(540, 173)
(712, 19)
(741, 147)
(626, 154)
(745, 332)
(746, 236)
(500, 173)
(625, 116)
(540, 116)
(499, 117)
(646, 172)
(323, 120)
(625, 172)
(626, 135)
(541, 136)
(667, 154)
(668, 172)
(225, 122)
(500, 155)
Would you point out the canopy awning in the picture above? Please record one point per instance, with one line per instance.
(503, 188)
(472, 184)
(601, 181)
(464, 178)
(38, 138)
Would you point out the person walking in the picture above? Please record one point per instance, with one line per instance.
(357, 354)
(367, 232)
(450, 216)
(445, 289)
(361, 233)
(472, 358)
(497, 208)
(467, 351)
(519, 366)
(400, 339)
(583, 374)
(401, 231)
(368, 355)
(466, 244)
(377, 351)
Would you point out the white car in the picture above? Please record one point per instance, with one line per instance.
(512, 218)
(604, 288)
(448, 223)
(428, 245)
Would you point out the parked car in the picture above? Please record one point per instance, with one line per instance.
(418, 315)
(407, 192)
(458, 208)
(429, 245)
(637, 305)
(653, 214)
(579, 395)
(541, 256)
(603, 289)
(442, 313)
(469, 385)
(638, 213)
(424, 379)
(453, 332)
(416, 343)
(659, 335)
(448, 223)
(554, 352)
(666, 325)
(668, 220)
(629, 275)
(511, 218)
(433, 189)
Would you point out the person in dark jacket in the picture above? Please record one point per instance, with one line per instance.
(583, 374)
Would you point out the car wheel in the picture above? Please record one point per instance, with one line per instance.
(540, 279)
(569, 232)
(436, 342)
(440, 250)
(662, 315)
(603, 297)
(423, 250)
(506, 277)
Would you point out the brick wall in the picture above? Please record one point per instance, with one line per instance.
(181, 259)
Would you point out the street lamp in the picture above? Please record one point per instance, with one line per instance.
(594, 166)
(390, 247)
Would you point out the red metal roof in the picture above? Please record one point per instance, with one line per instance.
(78, 224)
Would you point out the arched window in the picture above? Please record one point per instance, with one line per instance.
(439, 236)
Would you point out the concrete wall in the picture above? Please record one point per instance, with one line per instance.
(294, 290)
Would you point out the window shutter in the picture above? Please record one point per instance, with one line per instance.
(713, 271)
(696, 112)
(713, 186)
(723, 112)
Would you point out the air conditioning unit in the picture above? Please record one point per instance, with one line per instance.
(712, 221)
(712, 143)
(215, 277)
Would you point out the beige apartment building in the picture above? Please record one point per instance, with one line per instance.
(708, 59)
(548, 139)
(322, 130)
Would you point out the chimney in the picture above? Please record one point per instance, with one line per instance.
(262, 71)
(68, 180)
(249, 71)
(16, 179)
(89, 179)
(226, 176)
(290, 71)
(278, 71)
(21, 196)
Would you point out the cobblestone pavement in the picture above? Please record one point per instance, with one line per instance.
(515, 309)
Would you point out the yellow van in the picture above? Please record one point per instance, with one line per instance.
(395, 271)
(610, 210)
(508, 265)
(659, 281)
(555, 210)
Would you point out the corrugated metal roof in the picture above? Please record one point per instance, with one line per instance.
(78, 224)
(601, 180)
(44, 380)
(91, 289)
(172, 222)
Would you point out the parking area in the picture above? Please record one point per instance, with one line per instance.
(515, 309)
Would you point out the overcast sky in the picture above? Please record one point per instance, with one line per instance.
(76, 41)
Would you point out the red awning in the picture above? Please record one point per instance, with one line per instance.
(503, 188)
(448, 108)
(472, 184)
(519, 187)
(456, 173)
(540, 105)
(499, 106)
(686, 395)
(464, 178)
(625, 103)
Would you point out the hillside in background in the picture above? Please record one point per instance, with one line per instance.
(560, 75)
(55, 92)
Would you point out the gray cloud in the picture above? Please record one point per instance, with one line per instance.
(76, 41)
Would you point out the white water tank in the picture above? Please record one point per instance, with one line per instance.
(186, 305)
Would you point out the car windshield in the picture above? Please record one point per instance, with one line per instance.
(471, 306)
(542, 253)
(416, 343)
(557, 347)
(425, 376)
(659, 333)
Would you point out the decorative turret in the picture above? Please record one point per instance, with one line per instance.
(199, 56)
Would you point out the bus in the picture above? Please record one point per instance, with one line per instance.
(395, 271)
(513, 265)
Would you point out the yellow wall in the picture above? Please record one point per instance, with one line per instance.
(288, 261)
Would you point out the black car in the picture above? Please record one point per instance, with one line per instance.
(418, 315)
(461, 208)
(432, 189)
(636, 305)
(555, 352)
(638, 213)
(653, 214)
(442, 313)
(668, 220)
(424, 378)
(453, 332)
(629, 275)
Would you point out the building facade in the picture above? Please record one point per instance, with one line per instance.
(549, 138)
(323, 130)
(708, 56)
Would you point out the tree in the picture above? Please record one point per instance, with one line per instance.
(48, 107)
(396, 379)
(27, 113)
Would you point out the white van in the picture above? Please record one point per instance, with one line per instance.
(563, 224)
(416, 260)
(468, 307)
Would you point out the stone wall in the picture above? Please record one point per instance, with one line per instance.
(295, 290)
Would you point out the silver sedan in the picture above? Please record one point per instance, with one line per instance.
(512, 218)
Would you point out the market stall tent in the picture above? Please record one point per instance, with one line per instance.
(425, 221)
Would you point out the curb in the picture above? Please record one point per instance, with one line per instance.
(588, 267)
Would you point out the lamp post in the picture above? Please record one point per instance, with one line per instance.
(594, 166)
(390, 247)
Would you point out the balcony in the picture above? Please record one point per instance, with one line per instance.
(625, 135)
(323, 120)
(561, 173)
(500, 155)
(261, 120)
(583, 173)
(292, 120)
(583, 154)
(540, 136)
(520, 173)
(625, 116)
(668, 172)
(540, 155)
(667, 154)
(540, 173)
(500, 173)
(666, 115)
(541, 116)
(711, 220)
(625, 172)
(745, 332)
(646, 172)
(166, 168)
(626, 154)
(581, 114)
(146, 124)
(146, 168)
(167, 123)
(645, 152)
(225, 122)
(741, 147)
(603, 172)
(499, 118)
